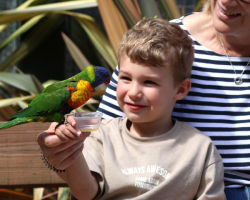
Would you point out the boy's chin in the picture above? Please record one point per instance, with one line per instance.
(136, 119)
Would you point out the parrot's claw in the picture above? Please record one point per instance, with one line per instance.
(65, 120)
(66, 116)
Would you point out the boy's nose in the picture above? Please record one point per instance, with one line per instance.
(135, 91)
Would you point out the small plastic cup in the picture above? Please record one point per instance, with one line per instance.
(87, 121)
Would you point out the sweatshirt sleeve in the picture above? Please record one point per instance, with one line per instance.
(212, 180)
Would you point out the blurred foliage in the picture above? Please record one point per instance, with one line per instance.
(40, 18)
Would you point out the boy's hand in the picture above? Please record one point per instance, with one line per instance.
(66, 132)
(62, 149)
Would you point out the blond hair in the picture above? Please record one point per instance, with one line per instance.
(156, 42)
(207, 6)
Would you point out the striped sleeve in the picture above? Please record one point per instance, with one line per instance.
(109, 106)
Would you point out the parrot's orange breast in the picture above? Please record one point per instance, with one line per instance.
(80, 95)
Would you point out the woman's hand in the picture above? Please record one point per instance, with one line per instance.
(65, 146)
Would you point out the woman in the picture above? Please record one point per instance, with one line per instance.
(218, 102)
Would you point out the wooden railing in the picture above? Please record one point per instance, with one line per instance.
(21, 164)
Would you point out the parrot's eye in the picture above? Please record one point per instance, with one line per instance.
(103, 75)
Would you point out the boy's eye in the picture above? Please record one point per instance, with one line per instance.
(150, 82)
(125, 78)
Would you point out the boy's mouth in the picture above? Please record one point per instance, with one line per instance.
(135, 106)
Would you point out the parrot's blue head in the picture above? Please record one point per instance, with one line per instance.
(101, 76)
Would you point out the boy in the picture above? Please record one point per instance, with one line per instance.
(147, 154)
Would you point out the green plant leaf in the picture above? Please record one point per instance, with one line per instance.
(174, 8)
(49, 82)
(99, 44)
(126, 13)
(165, 9)
(10, 16)
(76, 54)
(97, 37)
(24, 5)
(114, 23)
(63, 193)
(12, 101)
(21, 30)
(43, 29)
(21, 81)
(149, 10)
(198, 5)
(38, 193)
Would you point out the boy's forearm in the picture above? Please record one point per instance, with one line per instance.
(82, 183)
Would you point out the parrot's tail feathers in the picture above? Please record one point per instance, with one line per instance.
(22, 113)
(15, 122)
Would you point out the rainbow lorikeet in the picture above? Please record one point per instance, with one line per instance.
(61, 98)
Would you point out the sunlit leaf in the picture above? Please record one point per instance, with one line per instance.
(12, 101)
(38, 193)
(22, 6)
(22, 104)
(91, 101)
(21, 30)
(81, 109)
(63, 193)
(10, 16)
(113, 22)
(21, 81)
(49, 82)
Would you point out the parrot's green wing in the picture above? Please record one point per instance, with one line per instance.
(46, 102)
(56, 86)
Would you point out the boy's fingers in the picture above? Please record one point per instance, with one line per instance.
(59, 153)
(52, 127)
(71, 120)
(73, 130)
(45, 139)
(66, 131)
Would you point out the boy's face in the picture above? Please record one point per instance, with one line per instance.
(145, 93)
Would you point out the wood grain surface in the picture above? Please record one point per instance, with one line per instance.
(21, 164)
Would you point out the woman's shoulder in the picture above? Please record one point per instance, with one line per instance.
(194, 23)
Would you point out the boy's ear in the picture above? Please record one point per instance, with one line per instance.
(183, 89)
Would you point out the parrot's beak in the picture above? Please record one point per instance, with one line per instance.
(107, 80)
